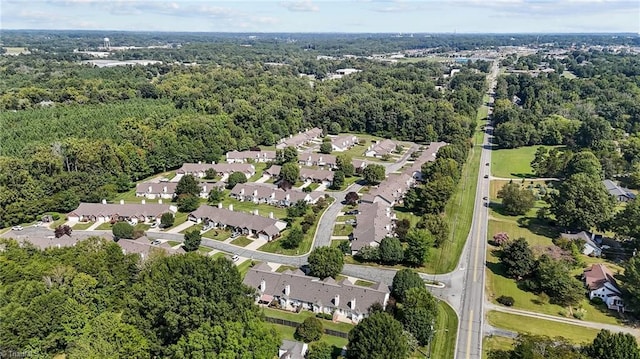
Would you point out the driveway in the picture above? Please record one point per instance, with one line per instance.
(263, 179)
(179, 228)
(176, 178)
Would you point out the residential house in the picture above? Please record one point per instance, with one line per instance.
(294, 290)
(250, 156)
(359, 165)
(244, 223)
(621, 194)
(153, 190)
(291, 349)
(273, 171)
(381, 149)
(222, 169)
(317, 159)
(343, 142)
(270, 194)
(49, 242)
(591, 246)
(319, 176)
(300, 139)
(132, 212)
(601, 284)
(374, 222)
(429, 154)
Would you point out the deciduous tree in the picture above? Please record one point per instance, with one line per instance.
(391, 251)
(378, 336)
(309, 330)
(607, 345)
(188, 185)
(122, 230)
(418, 244)
(167, 219)
(404, 280)
(582, 202)
(326, 262)
(235, 178)
(290, 172)
(192, 240)
(516, 200)
(517, 258)
(374, 174)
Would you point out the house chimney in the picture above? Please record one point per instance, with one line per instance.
(220, 205)
(271, 215)
(255, 193)
(242, 191)
(122, 201)
(231, 207)
(256, 212)
(353, 303)
(204, 189)
(143, 201)
(287, 197)
(263, 285)
(159, 200)
(287, 290)
(199, 162)
(104, 201)
(336, 300)
(151, 189)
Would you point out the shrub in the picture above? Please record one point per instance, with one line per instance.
(500, 239)
(504, 300)
(324, 316)
(122, 230)
(597, 301)
(579, 314)
(55, 216)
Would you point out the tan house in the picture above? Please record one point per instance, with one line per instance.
(250, 156)
(270, 194)
(247, 224)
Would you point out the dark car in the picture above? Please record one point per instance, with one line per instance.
(486, 176)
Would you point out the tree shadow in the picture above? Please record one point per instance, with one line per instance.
(499, 209)
(523, 175)
(539, 227)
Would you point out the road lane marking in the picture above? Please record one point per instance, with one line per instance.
(475, 261)
(469, 334)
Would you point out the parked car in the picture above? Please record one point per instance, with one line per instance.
(156, 242)
(486, 176)
(235, 235)
(154, 225)
(17, 228)
(352, 212)
(235, 258)
(350, 221)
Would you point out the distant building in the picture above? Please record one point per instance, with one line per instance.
(247, 224)
(621, 194)
(591, 245)
(300, 139)
(131, 212)
(246, 156)
(222, 169)
(381, 148)
(343, 142)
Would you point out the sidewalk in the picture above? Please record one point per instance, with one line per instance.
(180, 227)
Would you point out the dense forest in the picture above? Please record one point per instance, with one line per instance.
(92, 301)
(74, 133)
(597, 108)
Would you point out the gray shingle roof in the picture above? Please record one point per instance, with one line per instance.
(237, 219)
(313, 290)
(123, 210)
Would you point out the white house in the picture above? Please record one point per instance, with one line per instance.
(601, 284)
(381, 148)
(132, 212)
(294, 290)
(343, 142)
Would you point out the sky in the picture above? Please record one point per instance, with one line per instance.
(357, 16)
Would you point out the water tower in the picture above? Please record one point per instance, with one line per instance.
(107, 44)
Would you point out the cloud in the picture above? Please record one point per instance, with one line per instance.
(300, 6)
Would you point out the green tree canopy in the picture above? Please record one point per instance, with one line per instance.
(378, 336)
(326, 262)
(167, 219)
(309, 330)
(581, 203)
(391, 250)
(517, 258)
(404, 280)
(122, 230)
(418, 314)
(516, 200)
(235, 178)
(188, 185)
(418, 244)
(293, 238)
(374, 174)
(290, 172)
(192, 240)
(607, 345)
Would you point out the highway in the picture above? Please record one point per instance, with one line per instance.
(471, 314)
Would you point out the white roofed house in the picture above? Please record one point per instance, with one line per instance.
(153, 190)
(601, 284)
(343, 142)
(317, 159)
(132, 212)
(300, 139)
(294, 290)
(247, 156)
(221, 169)
(319, 176)
(270, 194)
(381, 148)
(248, 224)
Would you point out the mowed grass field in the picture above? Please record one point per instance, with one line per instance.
(535, 326)
(514, 162)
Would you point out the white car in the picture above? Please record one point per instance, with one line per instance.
(17, 228)
(235, 258)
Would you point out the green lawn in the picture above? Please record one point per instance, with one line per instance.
(304, 314)
(492, 343)
(205, 249)
(260, 166)
(443, 345)
(105, 226)
(179, 218)
(513, 162)
(313, 186)
(218, 255)
(344, 218)
(173, 243)
(348, 181)
(459, 209)
(342, 229)
(243, 267)
(358, 150)
(287, 333)
(363, 283)
(249, 207)
(304, 247)
(535, 326)
(283, 268)
(217, 234)
(497, 285)
(81, 226)
(241, 241)
(197, 227)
